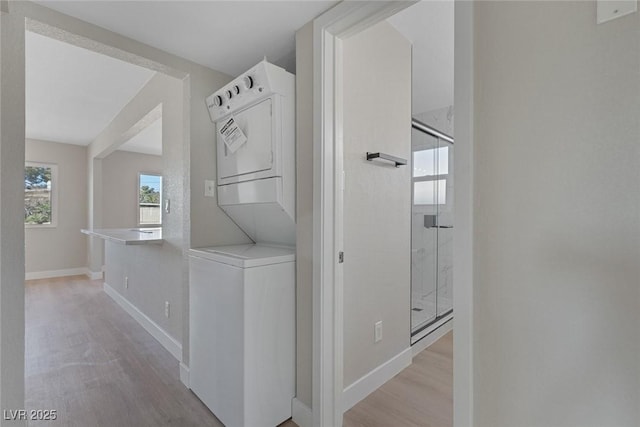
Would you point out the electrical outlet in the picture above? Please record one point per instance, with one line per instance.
(126, 282)
(209, 188)
(378, 331)
(167, 309)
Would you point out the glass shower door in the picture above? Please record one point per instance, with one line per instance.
(431, 229)
(424, 234)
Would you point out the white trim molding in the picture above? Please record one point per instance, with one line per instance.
(184, 375)
(301, 413)
(47, 274)
(95, 275)
(375, 379)
(167, 341)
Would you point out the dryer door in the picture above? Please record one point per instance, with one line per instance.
(256, 154)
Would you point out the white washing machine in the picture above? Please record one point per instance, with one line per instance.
(242, 298)
(242, 332)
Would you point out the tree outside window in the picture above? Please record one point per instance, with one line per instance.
(39, 191)
(149, 199)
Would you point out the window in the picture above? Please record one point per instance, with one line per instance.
(430, 170)
(149, 199)
(40, 194)
(430, 192)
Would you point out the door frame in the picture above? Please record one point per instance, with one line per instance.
(346, 19)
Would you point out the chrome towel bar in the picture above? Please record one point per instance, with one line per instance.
(396, 160)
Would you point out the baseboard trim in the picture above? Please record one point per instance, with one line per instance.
(48, 274)
(432, 337)
(95, 275)
(375, 379)
(184, 375)
(301, 413)
(167, 341)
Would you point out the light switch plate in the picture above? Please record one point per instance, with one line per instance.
(377, 334)
(209, 188)
(612, 9)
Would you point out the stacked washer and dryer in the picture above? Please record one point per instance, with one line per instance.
(242, 297)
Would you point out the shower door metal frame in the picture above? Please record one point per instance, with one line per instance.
(438, 320)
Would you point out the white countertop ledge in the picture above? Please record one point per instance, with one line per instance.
(128, 236)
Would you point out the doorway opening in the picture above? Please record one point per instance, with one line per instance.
(330, 284)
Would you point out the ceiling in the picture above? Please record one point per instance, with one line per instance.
(147, 141)
(73, 104)
(429, 26)
(228, 36)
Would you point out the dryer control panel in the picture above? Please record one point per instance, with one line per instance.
(259, 82)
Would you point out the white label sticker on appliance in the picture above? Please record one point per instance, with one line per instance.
(232, 135)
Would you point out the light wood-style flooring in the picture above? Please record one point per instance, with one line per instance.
(90, 361)
(419, 396)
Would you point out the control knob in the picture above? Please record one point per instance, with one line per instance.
(248, 82)
(217, 100)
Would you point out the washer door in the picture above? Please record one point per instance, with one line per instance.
(256, 154)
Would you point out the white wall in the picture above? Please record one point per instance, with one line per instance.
(377, 200)
(62, 247)
(120, 171)
(210, 226)
(557, 216)
(154, 275)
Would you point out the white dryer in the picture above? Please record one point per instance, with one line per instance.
(254, 117)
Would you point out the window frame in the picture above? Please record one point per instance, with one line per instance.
(139, 224)
(435, 179)
(54, 193)
(428, 207)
